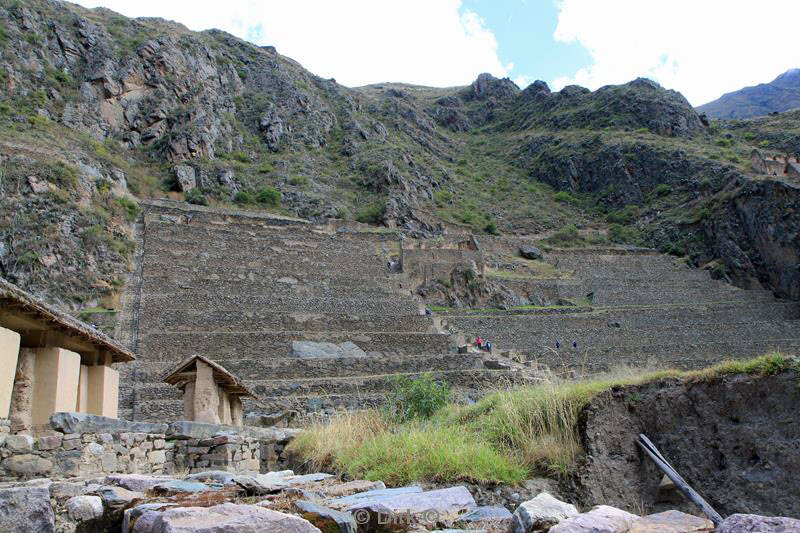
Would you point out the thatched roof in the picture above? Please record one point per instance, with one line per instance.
(40, 325)
(184, 372)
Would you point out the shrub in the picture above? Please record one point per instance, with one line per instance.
(196, 197)
(491, 228)
(298, 181)
(244, 198)
(662, 189)
(565, 198)
(269, 196)
(625, 215)
(565, 236)
(624, 234)
(371, 214)
(130, 206)
(416, 398)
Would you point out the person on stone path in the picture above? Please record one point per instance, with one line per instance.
(558, 345)
(479, 343)
(574, 344)
(487, 346)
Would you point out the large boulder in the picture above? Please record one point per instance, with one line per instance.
(135, 482)
(223, 518)
(373, 496)
(601, 519)
(541, 513)
(530, 252)
(318, 350)
(185, 177)
(749, 523)
(25, 510)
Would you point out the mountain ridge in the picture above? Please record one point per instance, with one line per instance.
(779, 95)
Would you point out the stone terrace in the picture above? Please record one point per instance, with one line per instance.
(238, 288)
(646, 308)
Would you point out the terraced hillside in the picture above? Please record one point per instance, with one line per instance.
(638, 307)
(239, 288)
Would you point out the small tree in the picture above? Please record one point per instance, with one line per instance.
(416, 398)
(269, 196)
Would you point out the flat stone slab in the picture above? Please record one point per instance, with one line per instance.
(86, 423)
(492, 518)
(135, 482)
(223, 518)
(425, 507)
(672, 522)
(177, 486)
(372, 495)
(186, 429)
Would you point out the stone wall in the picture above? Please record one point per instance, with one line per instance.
(100, 445)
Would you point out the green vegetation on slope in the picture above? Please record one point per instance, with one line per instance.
(506, 437)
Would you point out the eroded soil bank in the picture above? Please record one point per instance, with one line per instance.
(735, 439)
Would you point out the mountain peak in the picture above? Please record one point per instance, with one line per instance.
(781, 94)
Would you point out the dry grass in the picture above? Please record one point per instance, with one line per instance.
(507, 436)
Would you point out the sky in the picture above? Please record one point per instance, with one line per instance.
(702, 48)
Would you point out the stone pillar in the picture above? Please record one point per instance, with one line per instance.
(83, 390)
(237, 412)
(188, 401)
(224, 407)
(56, 377)
(22, 399)
(206, 396)
(9, 352)
(103, 391)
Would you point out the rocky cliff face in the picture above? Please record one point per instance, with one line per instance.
(147, 108)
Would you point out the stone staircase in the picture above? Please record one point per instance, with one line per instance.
(239, 287)
(646, 309)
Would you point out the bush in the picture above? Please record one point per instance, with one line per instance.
(244, 198)
(196, 197)
(565, 236)
(371, 214)
(269, 196)
(662, 189)
(130, 206)
(565, 198)
(491, 228)
(298, 181)
(623, 216)
(624, 234)
(416, 398)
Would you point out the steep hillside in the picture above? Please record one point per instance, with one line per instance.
(97, 110)
(781, 94)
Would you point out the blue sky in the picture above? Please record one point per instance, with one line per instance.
(524, 32)
(702, 48)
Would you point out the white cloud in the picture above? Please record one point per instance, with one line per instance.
(702, 48)
(355, 41)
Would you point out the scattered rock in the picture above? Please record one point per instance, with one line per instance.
(352, 487)
(426, 507)
(26, 510)
(326, 519)
(82, 508)
(541, 513)
(601, 519)
(374, 495)
(117, 497)
(176, 486)
(750, 523)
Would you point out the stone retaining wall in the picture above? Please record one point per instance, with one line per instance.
(63, 453)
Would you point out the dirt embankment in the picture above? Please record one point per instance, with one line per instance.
(735, 439)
